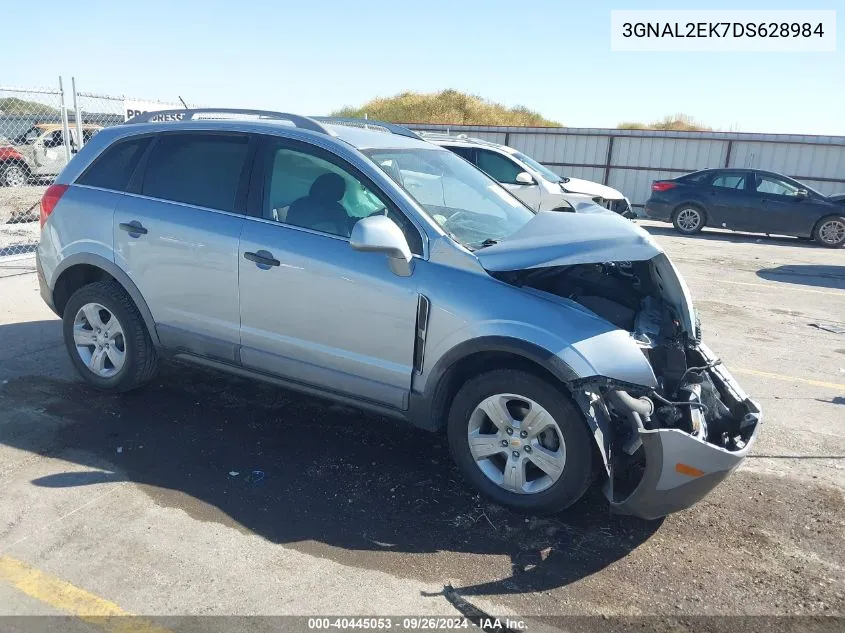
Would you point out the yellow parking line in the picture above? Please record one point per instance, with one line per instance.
(64, 596)
(806, 381)
(835, 293)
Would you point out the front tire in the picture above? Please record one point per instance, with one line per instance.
(688, 220)
(830, 231)
(106, 338)
(13, 175)
(520, 441)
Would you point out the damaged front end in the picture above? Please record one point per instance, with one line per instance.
(673, 430)
(668, 447)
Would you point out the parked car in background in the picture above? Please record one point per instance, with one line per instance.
(39, 153)
(748, 200)
(544, 347)
(535, 184)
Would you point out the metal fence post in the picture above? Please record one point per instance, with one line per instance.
(608, 160)
(77, 115)
(65, 126)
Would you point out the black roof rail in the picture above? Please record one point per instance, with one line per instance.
(366, 123)
(304, 122)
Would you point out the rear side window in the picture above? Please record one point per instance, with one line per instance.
(115, 166)
(730, 180)
(199, 169)
(463, 152)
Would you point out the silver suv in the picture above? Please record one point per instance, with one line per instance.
(548, 347)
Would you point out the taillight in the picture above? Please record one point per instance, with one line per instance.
(50, 199)
(663, 186)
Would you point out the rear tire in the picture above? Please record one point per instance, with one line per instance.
(106, 338)
(830, 231)
(547, 455)
(688, 219)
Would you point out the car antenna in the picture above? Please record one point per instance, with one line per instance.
(183, 103)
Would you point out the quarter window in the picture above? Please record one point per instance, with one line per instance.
(498, 167)
(729, 181)
(115, 166)
(199, 169)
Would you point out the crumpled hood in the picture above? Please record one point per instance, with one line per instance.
(576, 185)
(837, 197)
(563, 239)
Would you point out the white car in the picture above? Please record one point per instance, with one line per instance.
(536, 185)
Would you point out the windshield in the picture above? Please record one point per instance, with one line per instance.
(473, 208)
(547, 173)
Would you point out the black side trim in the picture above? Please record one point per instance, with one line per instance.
(293, 386)
(423, 307)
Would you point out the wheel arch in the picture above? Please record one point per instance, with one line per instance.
(80, 270)
(429, 409)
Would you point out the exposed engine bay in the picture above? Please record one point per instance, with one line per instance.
(693, 393)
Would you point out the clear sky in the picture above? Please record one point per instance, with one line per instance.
(313, 57)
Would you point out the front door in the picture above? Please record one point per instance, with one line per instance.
(780, 208)
(50, 153)
(177, 238)
(313, 310)
(504, 170)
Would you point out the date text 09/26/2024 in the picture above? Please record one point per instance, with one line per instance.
(421, 623)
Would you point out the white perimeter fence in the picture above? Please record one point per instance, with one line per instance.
(41, 129)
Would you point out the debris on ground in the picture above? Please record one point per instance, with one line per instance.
(829, 327)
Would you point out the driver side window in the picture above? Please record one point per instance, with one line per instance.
(308, 191)
(775, 186)
(498, 167)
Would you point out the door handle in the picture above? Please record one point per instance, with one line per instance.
(133, 227)
(262, 258)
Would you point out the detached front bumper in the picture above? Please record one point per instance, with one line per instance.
(680, 469)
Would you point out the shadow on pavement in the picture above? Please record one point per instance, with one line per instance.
(324, 479)
(731, 236)
(820, 275)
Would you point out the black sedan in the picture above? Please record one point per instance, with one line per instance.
(748, 200)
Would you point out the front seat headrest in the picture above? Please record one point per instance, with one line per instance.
(328, 188)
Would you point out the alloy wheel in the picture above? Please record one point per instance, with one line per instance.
(99, 340)
(516, 443)
(689, 219)
(832, 231)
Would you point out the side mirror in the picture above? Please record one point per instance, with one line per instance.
(379, 234)
(801, 194)
(524, 178)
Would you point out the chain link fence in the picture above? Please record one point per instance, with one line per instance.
(32, 151)
(40, 130)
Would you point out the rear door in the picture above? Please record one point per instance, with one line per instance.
(176, 235)
(730, 204)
